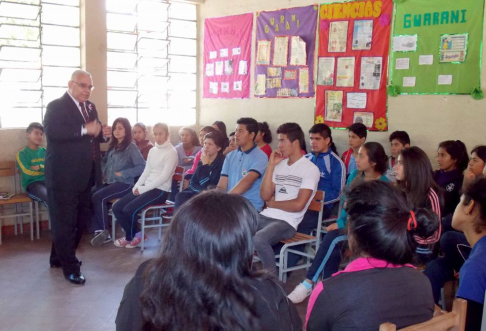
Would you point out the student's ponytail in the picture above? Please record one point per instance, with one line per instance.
(423, 227)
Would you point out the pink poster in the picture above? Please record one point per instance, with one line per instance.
(227, 55)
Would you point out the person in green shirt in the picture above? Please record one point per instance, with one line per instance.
(30, 162)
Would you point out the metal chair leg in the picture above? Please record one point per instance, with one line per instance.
(31, 222)
(37, 218)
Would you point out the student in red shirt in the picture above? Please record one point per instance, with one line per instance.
(264, 138)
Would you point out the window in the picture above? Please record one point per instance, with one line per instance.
(39, 50)
(151, 61)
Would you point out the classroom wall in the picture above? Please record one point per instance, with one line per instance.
(428, 119)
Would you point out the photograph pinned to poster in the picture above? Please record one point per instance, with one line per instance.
(444, 80)
(298, 53)
(238, 85)
(260, 85)
(274, 83)
(405, 43)
(223, 52)
(453, 47)
(338, 36)
(334, 106)
(362, 35)
(236, 51)
(287, 93)
(225, 87)
(363, 117)
(280, 51)
(274, 72)
(213, 55)
(228, 67)
(263, 52)
(356, 100)
(290, 74)
(213, 87)
(219, 68)
(345, 72)
(303, 80)
(243, 68)
(409, 81)
(370, 77)
(402, 63)
(426, 60)
(210, 69)
(325, 71)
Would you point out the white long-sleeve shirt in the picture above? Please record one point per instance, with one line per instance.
(158, 172)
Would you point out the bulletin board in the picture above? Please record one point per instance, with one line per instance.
(227, 56)
(285, 51)
(436, 47)
(354, 39)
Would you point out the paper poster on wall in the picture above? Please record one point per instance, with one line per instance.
(274, 72)
(210, 69)
(290, 74)
(334, 106)
(338, 36)
(260, 88)
(356, 100)
(402, 63)
(409, 81)
(298, 54)
(219, 68)
(365, 118)
(362, 35)
(223, 52)
(238, 85)
(243, 68)
(325, 71)
(426, 60)
(263, 52)
(213, 55)
(405, 43)
(225, 87)
(213, 87)
(444, 80)
(236, 51)
(303, 80)
(274, 83)
(345, 72)
(287, 93)
(228, 67)
(280, 51)
(370, 77)
(453, 47)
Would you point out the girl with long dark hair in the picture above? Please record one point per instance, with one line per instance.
(476, 166)
(203, 278)
(264, 138)
(221, 127)
(122, 163)
(380, 285)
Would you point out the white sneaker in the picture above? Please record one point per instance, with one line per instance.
(299, 294)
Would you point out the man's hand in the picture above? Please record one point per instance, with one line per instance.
(275, 157)
(136, 192)
(185, 184)
(35, 167)
(93, 128)
(229, 149)
(332, 227)
(106, 131)
(118, 174)
(204, 158)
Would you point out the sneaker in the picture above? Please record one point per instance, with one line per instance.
(299, 294)
(135, 242)
(121, 242)
(100, 238)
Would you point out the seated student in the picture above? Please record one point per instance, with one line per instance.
(30, 161)
(139, 133)
(453, 159)
(288, 187)
(470, 218)
(202, 133)
(201, 282)
(380, 285)
(357, 137)
(244, 168)
(208, 170)
(231, 144)
(476, 165)
(398, 141)
(221, 127)
(152, 187)
(371, 165)
(121, 164)
(264, 138)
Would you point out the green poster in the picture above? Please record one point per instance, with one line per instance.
(436, 46)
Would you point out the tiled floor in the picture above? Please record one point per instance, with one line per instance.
(34, 297)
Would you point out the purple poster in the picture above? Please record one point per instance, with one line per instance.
(284, 59)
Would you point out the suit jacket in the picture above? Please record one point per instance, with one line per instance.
(69, 155)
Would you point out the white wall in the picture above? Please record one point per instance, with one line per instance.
(428, 119)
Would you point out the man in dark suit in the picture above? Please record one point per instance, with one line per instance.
(72, 166)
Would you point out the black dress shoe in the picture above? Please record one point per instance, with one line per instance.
(75, 278)
(55, 265)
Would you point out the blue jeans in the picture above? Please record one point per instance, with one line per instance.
(38, 191)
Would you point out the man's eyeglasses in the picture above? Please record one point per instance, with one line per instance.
(84, 86)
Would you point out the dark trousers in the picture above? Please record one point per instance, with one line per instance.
(184, 196)
(127, 208)
(174, 189)
(456, 250)
(100, 199)
(38, 191)
(330, 248)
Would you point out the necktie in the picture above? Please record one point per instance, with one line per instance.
(85, 113)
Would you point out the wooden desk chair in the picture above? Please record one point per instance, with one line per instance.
(453, 321)
(7, 169)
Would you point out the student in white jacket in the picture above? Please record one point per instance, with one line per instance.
(152, 188)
